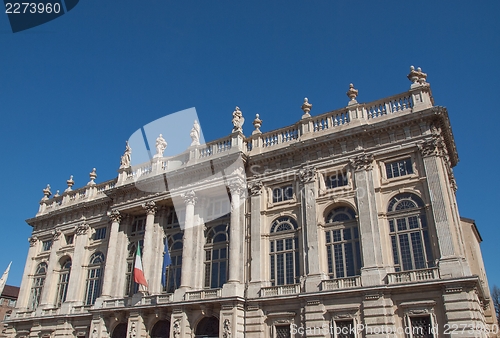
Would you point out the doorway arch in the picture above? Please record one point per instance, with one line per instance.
(161, 329)
(120, 331)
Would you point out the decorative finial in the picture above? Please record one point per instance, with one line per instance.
(126, 157)
(352, 93)
(93, 176)
(70, 183)
(417, 76)
(257, 123)
(161, 145)
(306, 107)
(46, 192)
(57, 194)
(238, 120)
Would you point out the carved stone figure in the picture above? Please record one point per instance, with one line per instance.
(238, 120)
(226, 333)
(133, 331)
(177, 328)
(195, 134)
(126, 157)
(161, 145)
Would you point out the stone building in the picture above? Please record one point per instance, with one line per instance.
(342, 220)
(8, 299)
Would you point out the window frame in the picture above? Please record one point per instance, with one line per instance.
(63, 282)
(385, 162)
(100, 233)
(286, 237)
(210, 262)
(93, 285)
(174, 270)
(37, 285)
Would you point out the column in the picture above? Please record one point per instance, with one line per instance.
(51, 278)
(77, 276)
(187, 240)
(447, 231)
(236, 258)
(372, 272)
(256, 261)
(24, 292)
(151, 249)
(310, 229)
(109, 287)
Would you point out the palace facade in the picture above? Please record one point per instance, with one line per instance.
(344, 224)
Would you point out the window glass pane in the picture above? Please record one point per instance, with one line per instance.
(339, 260)
(347, 234)
(349, 259)
(418, 250)
(421, 327)
(289, 268)
(413, 222)
(404, 246)
(327, 236)
(329, 258)
(336, 236)
(401, 224)
(280, 272)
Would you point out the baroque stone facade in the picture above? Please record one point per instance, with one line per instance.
(343, 220)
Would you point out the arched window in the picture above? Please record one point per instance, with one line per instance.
(94, 278)
(38, 281)
(173, 271)
(208, 327)
(161, 329)
(342, 243)
(409, 233)
(284, 251)
(62, 287)
(216, 256)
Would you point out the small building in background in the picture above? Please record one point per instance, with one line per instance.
(8, 301)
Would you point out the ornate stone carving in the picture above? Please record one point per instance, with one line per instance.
(362, 162)
(56, 234)
(161, 145)
(257, 123)
(417, 75)
(237, 186)
(70, 184)
(226, 329)
(432, 147)
(33, 240)
(189, 197)
(126, 157)
(256, 188)
(81, 229)
(46, 192)
(150, 207)
(352, 93)
(93, 176)
(133, 331)
(177, 328)
(306, 108)
(115, 216)
(238, 120)
(307, 175)
(195, 134)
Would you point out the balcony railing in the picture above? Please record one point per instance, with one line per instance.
(203, 294)
(341, 283)
(412, 276)
(280, 290)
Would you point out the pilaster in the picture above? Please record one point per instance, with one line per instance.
(109, 289)
(24, 292)
(187, 241)
(256, 261)
(51, 278)
(77, 275)
(372, 272)
(151, 249)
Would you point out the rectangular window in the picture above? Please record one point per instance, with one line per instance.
(399, 168)
(139, 226)
(336, 180)
(46, 245)
(100, 233)
(282, 194)
(70, 239)
(282, 331)
(344, 329)
(421, 327)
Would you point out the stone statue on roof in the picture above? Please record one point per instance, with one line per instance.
(161, 145)
(238, 120)
(195, 134)
(126, 157)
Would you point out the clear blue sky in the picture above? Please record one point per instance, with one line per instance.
(73, 90)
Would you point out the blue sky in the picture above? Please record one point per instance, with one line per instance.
(73, 90)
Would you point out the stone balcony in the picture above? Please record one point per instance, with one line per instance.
(203, 294)
(413, 276)
(280, 290)
(341, 283)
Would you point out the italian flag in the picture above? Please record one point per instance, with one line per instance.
(138, 270)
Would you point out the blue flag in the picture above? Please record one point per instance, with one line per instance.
(166, 262)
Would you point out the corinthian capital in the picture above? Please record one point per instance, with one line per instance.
(237, 186)
(189, 197)
(115, 216)
(56, 234)
(307, 175)
(255, 188)
(362, 162)
(33, 240)
(150, 207)
(432, 147)
(82, 229)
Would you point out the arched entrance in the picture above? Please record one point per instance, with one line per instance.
(208, 327)
(120, 331)
(161, 329)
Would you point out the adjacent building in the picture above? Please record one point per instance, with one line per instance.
(344, 224)
(8, 299)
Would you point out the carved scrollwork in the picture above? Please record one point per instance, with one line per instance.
(307, 175)
(226, 333)
(33, 240)
(81, 229)
(189, 197)
(362, 162)
(150, 207)
(177, 328)
(255, 188)
(115, 216)
(432, 147)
